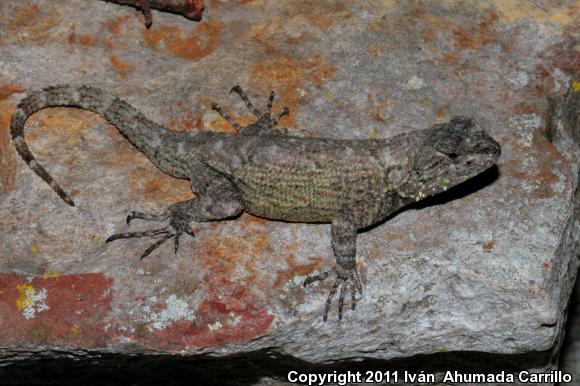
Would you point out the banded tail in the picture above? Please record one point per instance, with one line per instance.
(119, 113)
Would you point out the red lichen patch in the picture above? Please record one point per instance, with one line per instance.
(219, 323)
(114, 26)
(287, 76)
(62, 311)
(216, 322)
(196, 44)
(122, 68)
(7, 153)
(488, 247)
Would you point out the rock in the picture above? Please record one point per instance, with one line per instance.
(475, 279)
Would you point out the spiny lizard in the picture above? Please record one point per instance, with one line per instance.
(191, 9)
(351, 184)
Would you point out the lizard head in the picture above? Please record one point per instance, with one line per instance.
(449, 154)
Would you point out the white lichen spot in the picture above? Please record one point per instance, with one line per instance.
(560, 185)
(415, 83)
(110, 229)
(31, 301)
(560, 79)
(177, 309)
(106, 292)
(525, 125)
(215, 326)
(234, 319)
(519, 80)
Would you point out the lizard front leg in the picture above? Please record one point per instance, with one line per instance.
(217, 199)
(343, 233)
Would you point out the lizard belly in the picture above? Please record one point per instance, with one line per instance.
(292, 195)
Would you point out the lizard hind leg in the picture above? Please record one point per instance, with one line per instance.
(217, 199)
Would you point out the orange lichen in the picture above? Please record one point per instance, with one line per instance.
(72, 35)
(294, 269)
(186, 123)
(196, 44)
(122, 68)
(488, 247)
(87, 40)
(287, 76)
(114, 26)
(7, 153)
(515, 10)
(24, 15)
(30, 22)
(57, 123)
(8, 89)
(440, 113)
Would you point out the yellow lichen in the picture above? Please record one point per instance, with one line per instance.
(26, 294)
(51, 274)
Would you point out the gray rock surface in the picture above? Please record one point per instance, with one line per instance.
(476, 278)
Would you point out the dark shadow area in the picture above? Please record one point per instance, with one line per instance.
(571, 342)
(459, 191)
(246, 369)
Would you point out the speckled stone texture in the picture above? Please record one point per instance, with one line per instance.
(477, 278)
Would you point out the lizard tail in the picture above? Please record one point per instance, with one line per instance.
(126, 118)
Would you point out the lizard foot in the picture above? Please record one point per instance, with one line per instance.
(177, 227)
(344, 277)
(265, 122)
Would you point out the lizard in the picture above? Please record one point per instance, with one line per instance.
(191, 9)
(351, 184)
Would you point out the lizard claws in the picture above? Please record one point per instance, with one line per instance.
(342, 279)
(176, 228)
